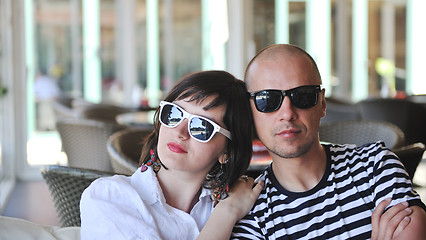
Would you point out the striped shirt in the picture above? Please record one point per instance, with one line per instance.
(356, 180)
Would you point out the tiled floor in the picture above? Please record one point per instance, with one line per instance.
(31, 200)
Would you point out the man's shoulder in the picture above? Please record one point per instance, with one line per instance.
(348, 147)
(338, 152)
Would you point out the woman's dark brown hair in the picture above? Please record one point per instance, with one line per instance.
(230, 92)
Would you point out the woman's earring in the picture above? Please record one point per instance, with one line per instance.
(220, 192)
(153, 161)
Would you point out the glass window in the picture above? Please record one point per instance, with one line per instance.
(59, 45)
(181, 39)
(264, 19)
(59, 59)
(51, 71)
(386, 45)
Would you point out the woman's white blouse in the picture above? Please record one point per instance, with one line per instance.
(134, 207)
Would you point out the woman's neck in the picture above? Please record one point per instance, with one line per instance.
(181, 192)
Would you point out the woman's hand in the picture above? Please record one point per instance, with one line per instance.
(228, 211)
(241, 197)
(389, 224)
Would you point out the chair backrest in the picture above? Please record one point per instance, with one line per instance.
(418, 98)
(340, 111)
(410, 117)
(411, 155)
(66, 184)
(62, 107)
(361, 132)
(102, 112)
(84, 142)
(124, 148)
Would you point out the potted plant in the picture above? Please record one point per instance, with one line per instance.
(3, 91)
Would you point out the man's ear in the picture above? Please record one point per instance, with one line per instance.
(323, 103)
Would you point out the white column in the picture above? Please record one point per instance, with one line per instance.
(30, 58)
(168, 45)
(214, 33)
(318, 37)
(75, 49)
(387, 41)
(359, 50)
(126, 57)
(92, 62)
(416, 48)
(342, 60)
(8, 138)
(240, 46)
(153, 56)
(282, 25)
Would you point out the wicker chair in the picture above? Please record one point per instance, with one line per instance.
(124, 148)
(66, 184)
(340, 111)
(62, 106)
(102, 112)
(84, 142)
(410, 155)
(410, 117)
(361, 132)
(418, 98)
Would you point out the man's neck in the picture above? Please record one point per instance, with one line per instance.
(302, 173)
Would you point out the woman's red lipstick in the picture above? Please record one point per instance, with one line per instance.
(176, 148)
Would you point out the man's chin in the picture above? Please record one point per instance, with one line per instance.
(290, 151)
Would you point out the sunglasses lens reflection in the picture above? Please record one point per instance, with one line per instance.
(199, 128)
(301, 97)
(268, 100)
(171, 115)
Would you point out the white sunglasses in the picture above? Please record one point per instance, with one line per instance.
(200, 128)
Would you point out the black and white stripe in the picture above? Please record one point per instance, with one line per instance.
(340, 206)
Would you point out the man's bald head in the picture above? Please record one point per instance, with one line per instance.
(279, 51)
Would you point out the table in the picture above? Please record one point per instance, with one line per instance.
(136, 119)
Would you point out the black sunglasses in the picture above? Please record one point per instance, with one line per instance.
(270, 100)
(200, 128)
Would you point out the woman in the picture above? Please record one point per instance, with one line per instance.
(201, 145)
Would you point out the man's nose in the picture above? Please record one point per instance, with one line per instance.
(287, 110)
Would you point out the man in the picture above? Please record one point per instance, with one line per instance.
(315, 191)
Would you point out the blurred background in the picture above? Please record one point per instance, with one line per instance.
(130, 52)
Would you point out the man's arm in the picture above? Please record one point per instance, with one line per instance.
(392, 180)
(398, 222)
(416, 228)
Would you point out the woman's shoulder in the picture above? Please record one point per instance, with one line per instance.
(108, 185)
(140, 186)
